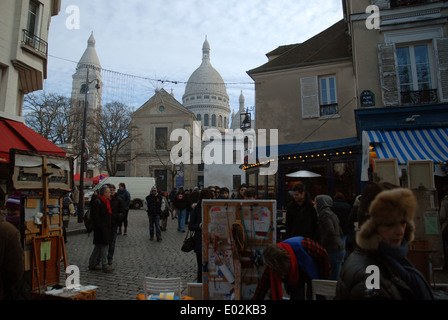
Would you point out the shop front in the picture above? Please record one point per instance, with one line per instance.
(337, 162)
(409, 136)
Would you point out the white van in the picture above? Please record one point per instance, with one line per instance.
(138, 188)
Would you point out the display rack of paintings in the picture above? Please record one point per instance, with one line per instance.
(41, 180)
(234, 234)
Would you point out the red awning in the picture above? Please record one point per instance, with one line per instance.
(16, 135)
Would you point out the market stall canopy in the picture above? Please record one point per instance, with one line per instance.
(16, 135)
(95, 180)
(303, 174)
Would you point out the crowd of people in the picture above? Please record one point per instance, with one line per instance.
(109, 211)
(324, 238)
(330, 239)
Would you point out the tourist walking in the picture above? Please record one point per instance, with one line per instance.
(117, 216)
(155, 206)
(301, 217)
(330, 234)
(126, 197)
(196, 226)
(165, 213)
(181, 202)
(100, 210)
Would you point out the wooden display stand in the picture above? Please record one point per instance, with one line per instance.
(233, 265)
(43, 180)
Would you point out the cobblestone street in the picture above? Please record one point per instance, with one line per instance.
(135, 257)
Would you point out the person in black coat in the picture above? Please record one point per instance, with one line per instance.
(181, 203)
(126, 197)
(155, 206)
(378, 267)
(196, 226)
(301, 217)
(101, 212)
(118, 213)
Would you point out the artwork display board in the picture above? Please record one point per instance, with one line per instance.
(38, 171)
(234, 234)
(42, 180)
(421, 174)
(386, 170)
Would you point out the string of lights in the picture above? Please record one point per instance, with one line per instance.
(163, 81)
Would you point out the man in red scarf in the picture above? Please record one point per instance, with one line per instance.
(101, 216)
(294, 262)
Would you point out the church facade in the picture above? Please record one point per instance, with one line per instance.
(205, 101)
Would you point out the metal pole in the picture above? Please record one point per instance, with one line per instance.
(83, 150)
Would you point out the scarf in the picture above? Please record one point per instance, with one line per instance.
(106, 202)
(292, 277)
(396, 257)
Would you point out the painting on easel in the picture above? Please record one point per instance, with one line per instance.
(235, 232)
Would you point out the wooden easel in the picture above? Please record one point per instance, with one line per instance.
(46, 268)
(56, 243)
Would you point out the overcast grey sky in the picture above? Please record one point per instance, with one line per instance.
(162, 39)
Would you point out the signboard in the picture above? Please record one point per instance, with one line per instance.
(367, 98)
(234, 234)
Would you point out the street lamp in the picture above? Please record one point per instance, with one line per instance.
(83, 148)
(245, 121)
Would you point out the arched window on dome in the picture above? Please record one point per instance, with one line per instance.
(199, 117)
(206, 123)
(214, 120)
(220, 121)
(225, 123)
(83, 88)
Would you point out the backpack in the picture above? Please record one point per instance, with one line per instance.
(88, 222)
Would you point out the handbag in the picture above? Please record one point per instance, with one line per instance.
(188, 244)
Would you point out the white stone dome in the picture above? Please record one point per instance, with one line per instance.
(205, 86)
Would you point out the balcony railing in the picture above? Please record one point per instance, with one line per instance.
(419, 97)
(35, 42)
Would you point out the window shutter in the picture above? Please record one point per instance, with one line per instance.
(388, 74)
(441, 53)
(310, 97)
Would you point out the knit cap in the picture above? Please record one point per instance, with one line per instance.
(13, 201)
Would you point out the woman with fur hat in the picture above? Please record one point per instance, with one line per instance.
(383, 242)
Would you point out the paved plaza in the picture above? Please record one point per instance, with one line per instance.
(135, 257)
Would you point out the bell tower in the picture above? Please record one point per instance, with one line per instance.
(87, 75)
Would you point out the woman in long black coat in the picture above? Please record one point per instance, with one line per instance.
(196, 226)
(101, 216)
